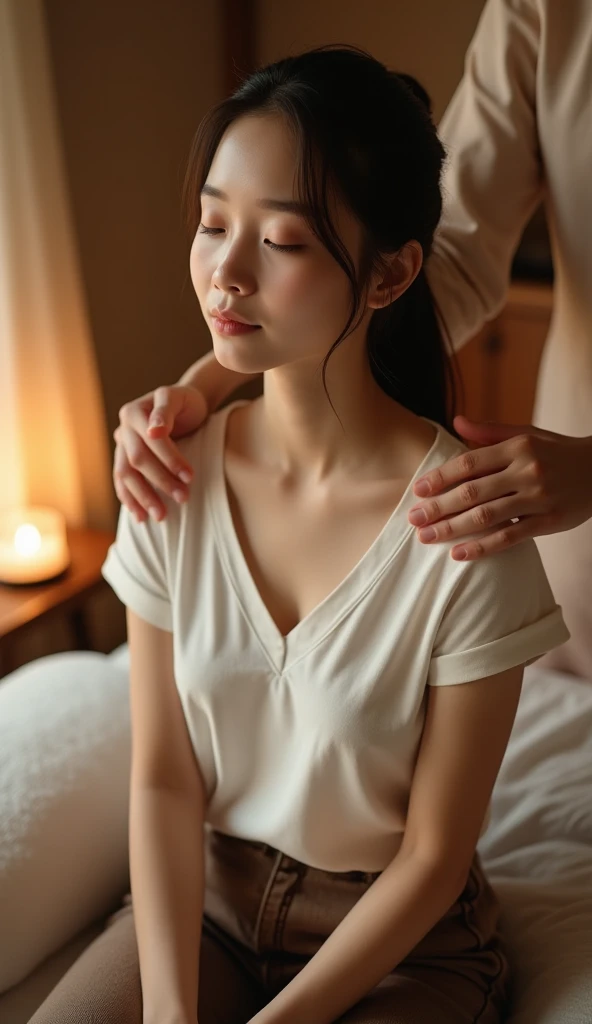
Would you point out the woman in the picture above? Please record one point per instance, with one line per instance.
(319, 706)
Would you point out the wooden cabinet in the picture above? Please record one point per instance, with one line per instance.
(33, 606)
(499, 367)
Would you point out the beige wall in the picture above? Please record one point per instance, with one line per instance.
(425, 38)
(133, 79)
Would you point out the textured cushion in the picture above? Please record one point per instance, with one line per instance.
(65, 750)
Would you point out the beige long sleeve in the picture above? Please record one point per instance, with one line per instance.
(167, 883)
(493, 176)
(518, 130)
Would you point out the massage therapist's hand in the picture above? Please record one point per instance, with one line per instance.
(541, 478)
(146, 456)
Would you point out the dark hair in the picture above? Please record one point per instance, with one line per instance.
(366, 132)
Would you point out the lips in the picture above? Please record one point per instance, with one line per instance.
(231, 317)
(231, 325)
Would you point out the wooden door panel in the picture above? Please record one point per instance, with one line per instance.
(499, 367)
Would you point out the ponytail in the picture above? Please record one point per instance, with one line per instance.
(408, 357)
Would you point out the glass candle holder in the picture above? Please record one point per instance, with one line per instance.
(33, 545)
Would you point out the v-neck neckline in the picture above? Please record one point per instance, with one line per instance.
(283, 649)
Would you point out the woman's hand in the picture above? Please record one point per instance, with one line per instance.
(145, 454)
(540, 478)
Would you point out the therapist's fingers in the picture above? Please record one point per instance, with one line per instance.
(475, 521)
(132, 486)
(466, 466)
(498, 540)
(138, 455)
(126, 498)
(135, 494)
(177, 410)
(477, 495)
(137, 435)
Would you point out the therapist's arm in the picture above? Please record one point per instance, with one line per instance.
(214, 381)
(526, 482)
(493, 177)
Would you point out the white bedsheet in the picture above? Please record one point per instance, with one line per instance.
(538, 850)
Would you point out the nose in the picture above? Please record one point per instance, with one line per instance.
(234, 272)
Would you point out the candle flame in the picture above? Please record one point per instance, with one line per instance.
(27, 540)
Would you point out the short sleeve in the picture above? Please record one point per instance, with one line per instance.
(500, 613)
(136, 569)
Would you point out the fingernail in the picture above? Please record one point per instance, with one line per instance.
(418, 516)
(156, 420)
(179, 496)
(428, 534)
(185, 476)
(154, 513)
(422, 488)
(459, 554)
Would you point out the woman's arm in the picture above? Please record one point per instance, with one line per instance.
(464, 739)
(167, 811)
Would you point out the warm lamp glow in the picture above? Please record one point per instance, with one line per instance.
(33, 545)
(27, 540)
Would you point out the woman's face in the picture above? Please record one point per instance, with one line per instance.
(254, 256)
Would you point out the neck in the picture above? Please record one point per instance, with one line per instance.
(306, 438)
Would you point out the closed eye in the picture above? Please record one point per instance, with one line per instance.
(282, 248)
(204, 230)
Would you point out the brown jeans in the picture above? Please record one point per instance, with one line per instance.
(265, 915)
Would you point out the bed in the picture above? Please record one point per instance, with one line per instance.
(64, 759)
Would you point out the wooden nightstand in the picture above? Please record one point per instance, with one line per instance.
(20, 606)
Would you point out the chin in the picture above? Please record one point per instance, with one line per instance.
(234, 354)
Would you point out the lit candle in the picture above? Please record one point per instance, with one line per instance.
(33, 545)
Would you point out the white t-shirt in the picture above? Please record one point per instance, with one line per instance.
(307, 742)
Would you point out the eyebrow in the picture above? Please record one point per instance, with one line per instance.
(281, 205)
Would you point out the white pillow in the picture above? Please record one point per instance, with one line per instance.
(65, 750)
(537, 850)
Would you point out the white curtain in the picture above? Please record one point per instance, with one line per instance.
(53, 441)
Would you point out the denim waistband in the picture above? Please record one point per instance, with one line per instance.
(271, 853)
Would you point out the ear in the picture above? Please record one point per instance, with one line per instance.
(401, 270)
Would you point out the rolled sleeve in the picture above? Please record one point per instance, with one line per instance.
(136, 569)
(501, 614)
